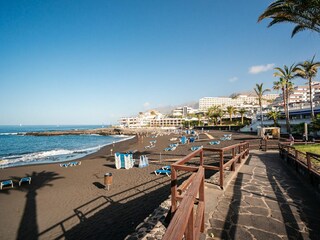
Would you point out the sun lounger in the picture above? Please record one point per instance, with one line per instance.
(170, 149)
(64, 164)
(174, 145)
(71, 164)
(6, 183)
(183, 140)
(25, 179)
(173, 139)
(195, 148)
(150, 146)
(214, 142)
(168, 167)
(161, 171)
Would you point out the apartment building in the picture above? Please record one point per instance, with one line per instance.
(183, 111)
(300, 94)
(239, 101)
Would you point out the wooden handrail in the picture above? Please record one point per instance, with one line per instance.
(289, 150)
(183, 222)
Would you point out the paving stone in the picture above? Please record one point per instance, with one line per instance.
(219, 224)
(262, 235)
(260, 222)
(254, 201)
(264, 186)
(218, 233)
(257, 210)
(238, 232)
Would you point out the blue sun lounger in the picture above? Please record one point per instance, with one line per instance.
(183, 140)
(64, 164)
(71, 164)
(6, 183)
(170, 149)
(25, 179)
(214, 142)
(168, 167)
(195, 148)
(162, 171)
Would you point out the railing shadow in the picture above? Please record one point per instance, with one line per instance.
(111, 217)
(290, 202)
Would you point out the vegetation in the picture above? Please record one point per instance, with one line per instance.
(242, 111)
(231, 110)
(315, 124)
(313, 148)
(308, 70)
(286, 74)
(260, 91)
(305, 14)
(274, 115)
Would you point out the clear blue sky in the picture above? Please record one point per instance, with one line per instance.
(91, 62)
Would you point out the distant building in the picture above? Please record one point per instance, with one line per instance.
(240, 101)
(150, 119)
(183, 111)
(300, 95)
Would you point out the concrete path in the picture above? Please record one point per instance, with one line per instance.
(266, 201)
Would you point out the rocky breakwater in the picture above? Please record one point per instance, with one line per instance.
(100, 131)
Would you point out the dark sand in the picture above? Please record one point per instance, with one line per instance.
(72, 203)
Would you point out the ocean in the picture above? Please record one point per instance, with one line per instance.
(17, 149)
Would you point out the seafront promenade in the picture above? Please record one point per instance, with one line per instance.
(265, 200)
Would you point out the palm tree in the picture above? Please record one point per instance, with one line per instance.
(283, 85)
(242, 111)
(220, 113)
(308, 70)
(212, 113)
(231, 110)
(286, 74)
(199, 116)
(305, 14)
(260, 91)
(274, 115)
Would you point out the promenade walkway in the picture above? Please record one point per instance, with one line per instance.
(265, 201)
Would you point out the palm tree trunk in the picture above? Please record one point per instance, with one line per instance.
(261, 116)
(287, 111)
(310, 99)
(242, 119)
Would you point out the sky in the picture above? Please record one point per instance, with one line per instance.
(92, 61)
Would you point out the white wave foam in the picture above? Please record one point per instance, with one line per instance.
(6, 134)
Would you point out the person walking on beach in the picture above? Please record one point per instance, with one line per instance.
(291, 139)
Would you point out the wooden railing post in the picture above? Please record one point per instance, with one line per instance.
(173, 190)
(189, 234)
(201, 157)
(202, 199)
(309, 167)
(221, 169)
(233, 166)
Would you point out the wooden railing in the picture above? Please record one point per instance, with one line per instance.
(302, 162)
(187, 221)
(183, 198)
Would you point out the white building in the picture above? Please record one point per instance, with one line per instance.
(300, 95)
(183, 111)
(150, 119)
(241, 101)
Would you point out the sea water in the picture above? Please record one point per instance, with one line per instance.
(17, 149)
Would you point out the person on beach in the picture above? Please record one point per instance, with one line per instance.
(291, 139)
